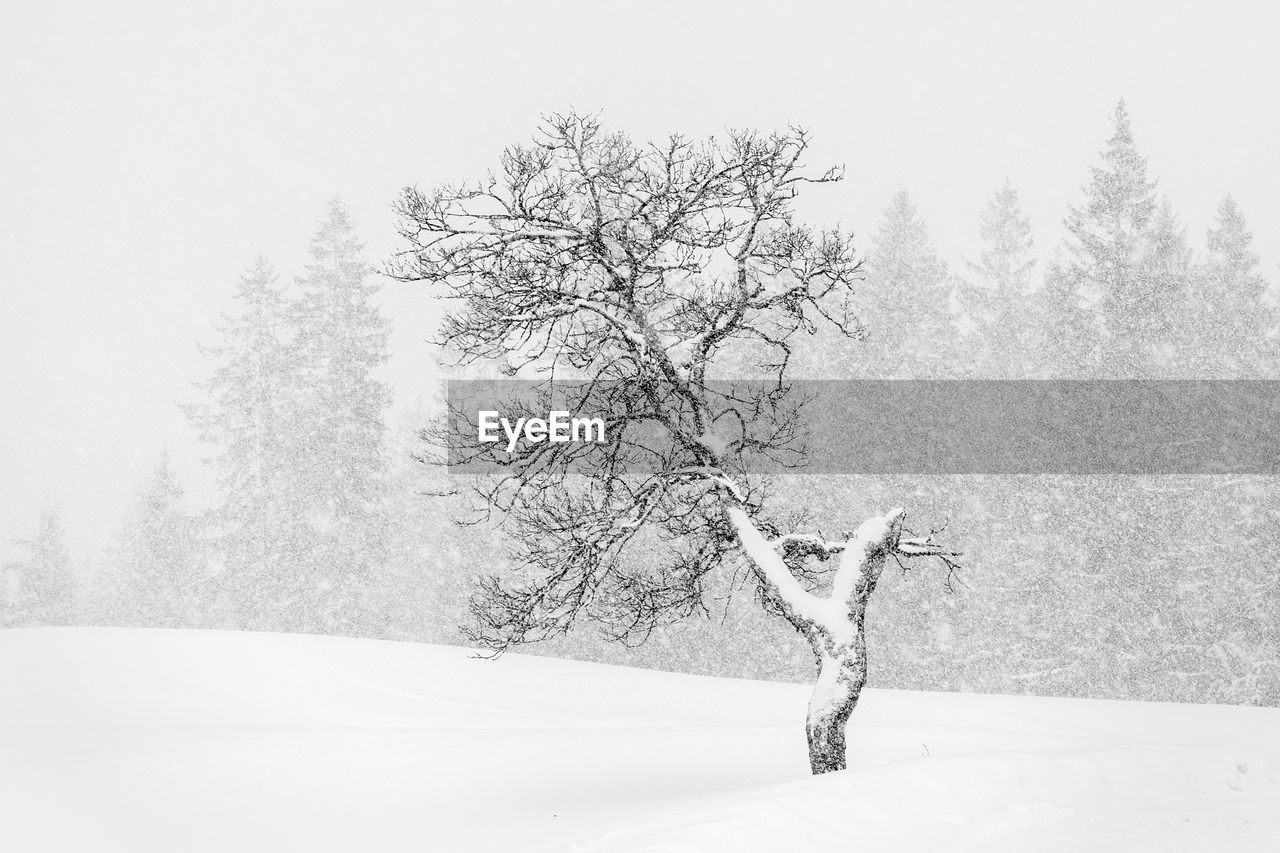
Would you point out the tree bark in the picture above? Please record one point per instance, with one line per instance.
(840, 682)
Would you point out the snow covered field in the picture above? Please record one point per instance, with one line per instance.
(142, 740)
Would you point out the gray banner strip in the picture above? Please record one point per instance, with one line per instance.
(951, 427)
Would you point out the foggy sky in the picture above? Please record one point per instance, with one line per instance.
(151, 152)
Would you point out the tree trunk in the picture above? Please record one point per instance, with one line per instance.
(840, 681)
(833, 624)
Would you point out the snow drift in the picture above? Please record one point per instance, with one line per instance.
(141, 740)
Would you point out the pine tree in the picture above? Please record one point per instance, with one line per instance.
(907, 301)
(341, 341)
(46, 587)
(1107, 252)
(251, 418)
(993, 298)
(1067, 329)
(1167, 273)
(157, 565)
(1228, 321)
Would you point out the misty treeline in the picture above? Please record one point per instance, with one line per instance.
(1128, 295)
(321, 522)
(1156, 587)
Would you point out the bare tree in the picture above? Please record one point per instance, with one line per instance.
(639, 271)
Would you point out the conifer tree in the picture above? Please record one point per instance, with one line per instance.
(250, 417)
(1167, 273)
(905, 301)
(1066, 328)
(1228, 321)
(296, 412)
(46, 587)
(1107, 252)
(993, 298)
(341, 341)
(157, 565)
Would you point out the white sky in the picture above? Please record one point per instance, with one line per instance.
(150, 152)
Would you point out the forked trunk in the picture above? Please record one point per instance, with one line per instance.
(833, 624)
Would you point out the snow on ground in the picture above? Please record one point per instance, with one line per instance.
(142, 740)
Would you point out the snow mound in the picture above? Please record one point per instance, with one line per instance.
(141, 740)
